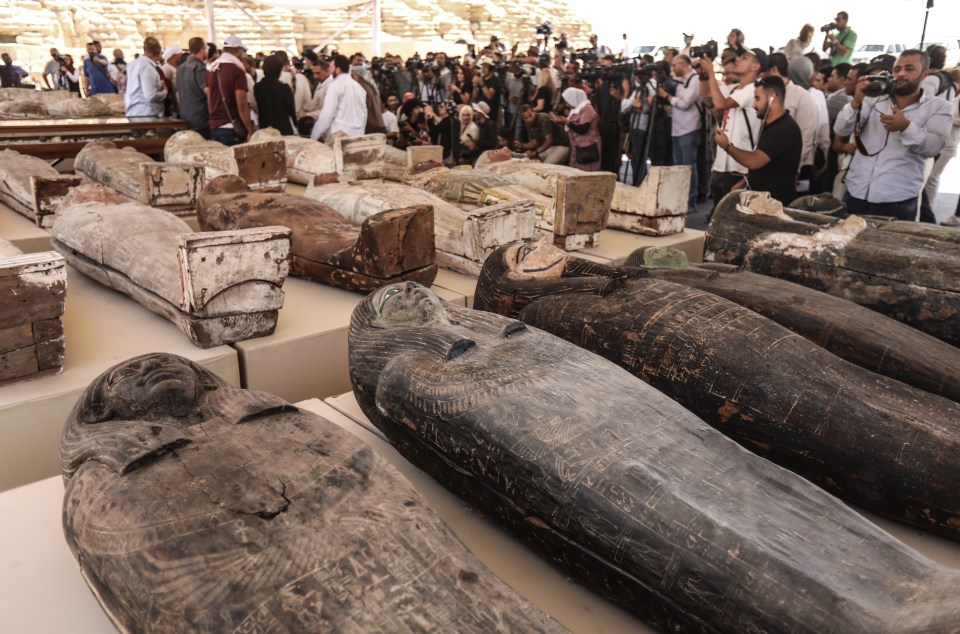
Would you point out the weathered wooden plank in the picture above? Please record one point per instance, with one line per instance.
(359, 158)
(913, 279)
(32, 292)
(871, 440)
(392, 245)
(463, 238)
(170, 187)
(206, 508)
(48, 193)
(623, 488)
(852, 332)
(229, 284)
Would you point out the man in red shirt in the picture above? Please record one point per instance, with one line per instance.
(227, 95)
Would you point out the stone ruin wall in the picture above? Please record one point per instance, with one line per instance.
(29, 27)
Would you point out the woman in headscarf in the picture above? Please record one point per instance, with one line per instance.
(275, 99)
(583, 126)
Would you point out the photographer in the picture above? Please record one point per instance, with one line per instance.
(686, 125)
(95, 73)
(68, 77)
(738, 118)
(896, 127)
(639, 106)
(840, 46)
(773, 164)
(488, 87)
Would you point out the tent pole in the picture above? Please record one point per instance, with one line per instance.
(211, 26)
(375, 27)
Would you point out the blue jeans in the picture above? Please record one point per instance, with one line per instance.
(685, 153)
(225, 135)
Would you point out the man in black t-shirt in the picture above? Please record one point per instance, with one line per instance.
(775, 162)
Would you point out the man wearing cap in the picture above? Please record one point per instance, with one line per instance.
(192, 88)
(737, 119)
(487, 137)
(145, 83)
(227, 89)
(344, 105)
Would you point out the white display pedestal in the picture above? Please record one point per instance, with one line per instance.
(307, 354)
(465, 285)
(23, 232)
(101, 328)
(616, 245)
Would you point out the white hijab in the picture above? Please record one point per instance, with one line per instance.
(576, 98)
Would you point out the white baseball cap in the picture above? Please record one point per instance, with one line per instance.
(170, 51)
(233, 41)
(482, 108)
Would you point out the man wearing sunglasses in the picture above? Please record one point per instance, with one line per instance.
(774, 163)
(894, 135)
(735, 114)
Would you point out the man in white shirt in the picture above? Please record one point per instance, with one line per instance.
(145, 83)
(51, 70)
(738, 118)
(897, 133)
(344, 105)
(686, 128)
(939, 83)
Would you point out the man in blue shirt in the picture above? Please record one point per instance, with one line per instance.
(96, 72)
(145, 83)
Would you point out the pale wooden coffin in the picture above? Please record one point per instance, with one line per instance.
(217, 287)
(30, 186)
(262, 164)
(139, 178)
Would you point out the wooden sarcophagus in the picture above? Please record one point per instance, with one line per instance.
(871, 440)
(217, 287)
(911, 277)
(262, 164)
(194, 506)
(623, 488)
(30, 186)
(387, 247)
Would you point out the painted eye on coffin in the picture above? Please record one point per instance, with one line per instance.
(387, 294)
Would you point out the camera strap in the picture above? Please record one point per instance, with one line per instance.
(859, 142)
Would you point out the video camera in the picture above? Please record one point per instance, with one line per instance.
(545, 29)
(709, 49)
(829, 27)
(880, 84)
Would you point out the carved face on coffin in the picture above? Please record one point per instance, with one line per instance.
(408, 304)
(539, 260)
(149, 387)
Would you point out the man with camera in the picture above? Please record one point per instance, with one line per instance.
(774, 163)
(839, 46)
(737, 116)
(685, 117)
(639, 107)
(95, 73)
(895, 127)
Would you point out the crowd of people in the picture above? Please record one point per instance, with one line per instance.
(790, 122)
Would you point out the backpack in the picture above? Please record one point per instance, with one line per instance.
(946, 83)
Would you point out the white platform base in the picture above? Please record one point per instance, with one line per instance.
(615, 245)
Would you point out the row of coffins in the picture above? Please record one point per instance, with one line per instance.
(631, 492)
(176, 481)
(33, 104)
